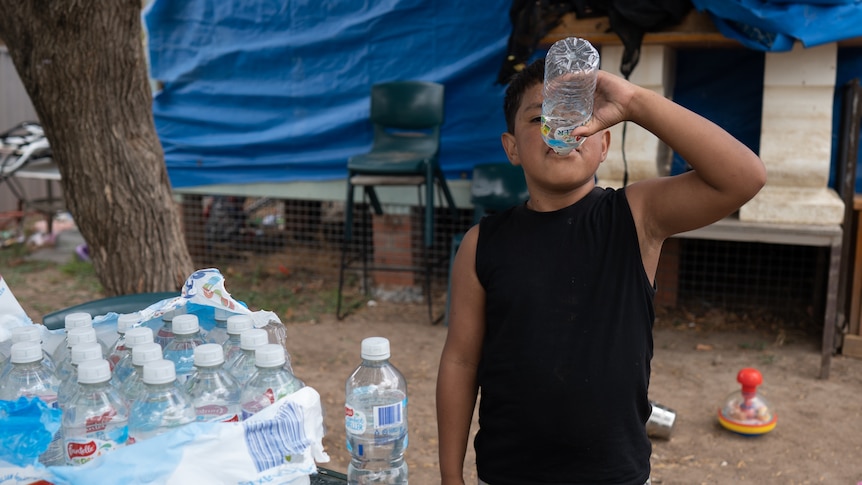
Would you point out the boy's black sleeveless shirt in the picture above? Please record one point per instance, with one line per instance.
(566, 356)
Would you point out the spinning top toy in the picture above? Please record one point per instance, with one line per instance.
(746, 412)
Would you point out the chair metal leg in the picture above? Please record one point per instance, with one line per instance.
(447, 194)
(345, 242)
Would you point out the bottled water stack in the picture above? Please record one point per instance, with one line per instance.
(270, 382)
(181, 350)
(78, 354)
(242, 365)
(571, 70)
(164, 405)
(133, 338)
(28, 377)
(125, 322)
(376, 418)
(96, 420)
(236, 325)
(132, 387)
(30, 333)
(214, 392)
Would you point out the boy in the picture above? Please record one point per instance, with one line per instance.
(552, 301)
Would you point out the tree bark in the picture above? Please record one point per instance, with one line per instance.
(83, 65)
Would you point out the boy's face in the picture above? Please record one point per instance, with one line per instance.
(541, 164)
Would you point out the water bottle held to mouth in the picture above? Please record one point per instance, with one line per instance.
(571, 69)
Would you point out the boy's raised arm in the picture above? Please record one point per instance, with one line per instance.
(725, 174)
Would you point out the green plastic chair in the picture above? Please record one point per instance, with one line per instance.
(495, 187)
(118, 304)
(406, 118)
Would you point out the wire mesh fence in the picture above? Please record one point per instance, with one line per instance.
(304, 239)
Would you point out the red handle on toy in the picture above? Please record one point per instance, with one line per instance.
(749, 378)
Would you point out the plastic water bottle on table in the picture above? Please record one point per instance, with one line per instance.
(119, 349)
(79, 353)
(96, 420)
(215, 393)
(181, 349)
(132, 387)
(376, 418)
(236, 325)
(271, 382)
(29, 378)
(164, 406)
(134, 337)
(242, 365)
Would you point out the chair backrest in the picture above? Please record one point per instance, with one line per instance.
(496, 187)
(407, 115)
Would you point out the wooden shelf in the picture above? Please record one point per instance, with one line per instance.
(696, 30)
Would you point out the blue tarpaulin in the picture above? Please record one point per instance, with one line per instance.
(268, 90)
(775, 25)
(272, 91)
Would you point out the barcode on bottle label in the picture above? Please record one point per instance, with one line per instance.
(388, 415)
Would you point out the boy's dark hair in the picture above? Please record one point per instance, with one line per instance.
(518, 85)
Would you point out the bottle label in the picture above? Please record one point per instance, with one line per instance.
(390, 415)
(216, 412)
(262, 400)
(354, 420)
(383, 417)
(83, 449)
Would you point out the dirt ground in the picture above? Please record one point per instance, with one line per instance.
(818, 438)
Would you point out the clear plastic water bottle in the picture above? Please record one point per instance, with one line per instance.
(74, 336)
(571, 70)
(70, 321)
(32, 333)
(164, 406)
(242, 365)
(276, 333)
(376, 418)
(236, 325)
(214, 391)
(132, 386)
(78, 354)
(218, 334)
(181, 350)
(134, 337)
(118, 350)
(166, 333)
(29, 378)
(96, 420)
(270, 382)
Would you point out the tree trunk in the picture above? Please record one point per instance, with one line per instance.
(84, 68)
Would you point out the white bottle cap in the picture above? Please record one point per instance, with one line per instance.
(28, 333)
(85, 351)
(253, 338)
(208, 355)
(185, 324)
(237, 324)
(221, 314)
(169, 315)
(375, 348)
(25, 352)
(139, 335)
(126, 321)
(78, 319)
(269, 355)
(159, 372)
(80, 335)
(94, 371)
(146, 352)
